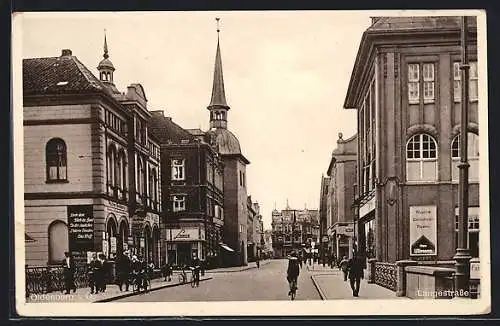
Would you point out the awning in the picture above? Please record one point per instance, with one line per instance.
(27, 238)
(225, 246)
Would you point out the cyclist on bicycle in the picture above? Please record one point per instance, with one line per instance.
(196, 271)
(293, 271)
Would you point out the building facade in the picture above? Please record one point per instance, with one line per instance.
(91, 166)
(294, 230)
(406, 88)
(192, 196)
(340, 213)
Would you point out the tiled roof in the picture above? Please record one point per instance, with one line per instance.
(196, 132)
(55, 75)
(418, 23)
(165, 130)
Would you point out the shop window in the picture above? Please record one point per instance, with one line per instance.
(178, 166)
(421, 158)
(179, 203)
(56, 160)
(473, 234)
(472, 156)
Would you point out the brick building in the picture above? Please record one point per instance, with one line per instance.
(192, 193)
(91, 171)
(405, 86)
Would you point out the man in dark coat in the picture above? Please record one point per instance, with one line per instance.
(123, 270)
(69, 269)
(93, 270)
(355, 267)
(293, 271)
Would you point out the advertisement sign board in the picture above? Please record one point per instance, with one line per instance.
(80, 230)
(423, 230)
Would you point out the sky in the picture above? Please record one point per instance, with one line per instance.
(285, 73)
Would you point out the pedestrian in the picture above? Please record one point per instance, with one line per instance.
(292, 272)
(355, 267)
(343, 266)
(257, 261)
(203, 266)
(123, 266)
(101, 273)
(93, 268)
(69, 268)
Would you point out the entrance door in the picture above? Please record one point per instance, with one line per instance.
(183, 253)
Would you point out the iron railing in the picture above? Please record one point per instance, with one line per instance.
(386, 275)
(45, 279)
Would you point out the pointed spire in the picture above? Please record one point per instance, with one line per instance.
(105, 55)
(218, 93)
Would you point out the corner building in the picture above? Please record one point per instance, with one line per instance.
(91, 168)
(406, 88)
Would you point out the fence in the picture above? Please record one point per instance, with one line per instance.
(45, 279)
(386, 275)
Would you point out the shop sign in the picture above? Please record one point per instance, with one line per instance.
(345, 230)
(423, 230)
(474, 269)
(185, 234)
(112, 242)
(105, 248)
(80, 230)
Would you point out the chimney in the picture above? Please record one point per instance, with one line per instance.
(66, 53)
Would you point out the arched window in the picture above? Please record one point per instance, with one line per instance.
(139, 176)
(112, 166)
(472, 156)
(123, 172)
(118, 169)
(58, 241)
(56, 160)
(421, 158)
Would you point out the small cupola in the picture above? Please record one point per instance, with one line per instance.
(106, 67)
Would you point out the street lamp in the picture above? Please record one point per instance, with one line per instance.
(462, 256)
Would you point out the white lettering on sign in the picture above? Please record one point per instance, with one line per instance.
(423, 230)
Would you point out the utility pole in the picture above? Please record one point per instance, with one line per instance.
(462, 256)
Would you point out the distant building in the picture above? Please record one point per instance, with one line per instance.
(341, 187)
(91, 165)
(192, 196)
(406, 88)
(252, 216)
(294, 230)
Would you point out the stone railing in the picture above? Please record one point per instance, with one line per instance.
(385, 275)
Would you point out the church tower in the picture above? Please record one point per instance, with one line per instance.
(106, 69)
(235, 186)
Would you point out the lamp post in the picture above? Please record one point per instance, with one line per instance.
(462, 256)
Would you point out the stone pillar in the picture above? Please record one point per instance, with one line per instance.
(371, 270)
(401, 276)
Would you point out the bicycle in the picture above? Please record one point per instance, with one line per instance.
(293, 289)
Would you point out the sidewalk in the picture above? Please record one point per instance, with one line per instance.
(237, 268)
(112, 292)
(332, 286)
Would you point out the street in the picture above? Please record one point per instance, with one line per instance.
(265, 283)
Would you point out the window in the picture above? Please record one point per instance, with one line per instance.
(472, 156)
(413, 83)
(179, 202)
(473, 81)
(56, 160)
(428, 72)
(421, 158)
(178, 169)
(242, 228)
(473, 231)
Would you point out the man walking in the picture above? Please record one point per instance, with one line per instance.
(69, 269)
(93, 270)
(355, 267)
(124, 266)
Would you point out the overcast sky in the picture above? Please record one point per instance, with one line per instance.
(285, 73)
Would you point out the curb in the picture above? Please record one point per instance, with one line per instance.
(130, 294)
(240, 270)
(316, 285)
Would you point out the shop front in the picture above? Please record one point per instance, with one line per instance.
(367, 229)
(146, 241)
(185, 244)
